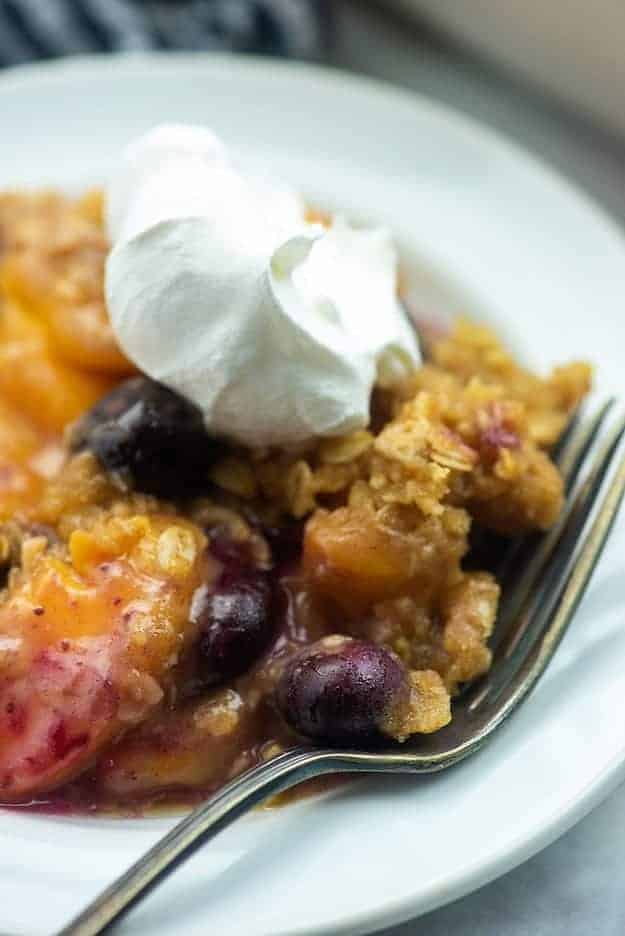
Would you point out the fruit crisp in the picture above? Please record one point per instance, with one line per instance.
(176, 608)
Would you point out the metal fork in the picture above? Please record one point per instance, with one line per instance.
(551, 578)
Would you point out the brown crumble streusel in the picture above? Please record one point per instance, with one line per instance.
(362, 536)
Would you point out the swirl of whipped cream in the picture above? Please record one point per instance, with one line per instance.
(218, 287)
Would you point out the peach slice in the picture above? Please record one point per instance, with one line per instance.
(89, 643)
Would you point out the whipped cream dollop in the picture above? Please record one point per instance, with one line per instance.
(218, 287)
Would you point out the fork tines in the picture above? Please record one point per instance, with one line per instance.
(551, 572)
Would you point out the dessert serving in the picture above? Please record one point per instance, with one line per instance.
(236, 489)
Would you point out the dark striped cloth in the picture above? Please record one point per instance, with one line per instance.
(36, 29)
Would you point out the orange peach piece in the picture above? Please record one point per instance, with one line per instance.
(42, 387)
(352, 560)
(20, 447)
(89, 644)
(61, 285)
(190, 748)
(83, 337)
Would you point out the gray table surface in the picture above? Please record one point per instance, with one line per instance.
(576, 887)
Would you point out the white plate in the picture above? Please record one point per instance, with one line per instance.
(535, 256)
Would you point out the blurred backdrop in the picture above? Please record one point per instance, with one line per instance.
(34, 29)
(571, 48)
(548, 74)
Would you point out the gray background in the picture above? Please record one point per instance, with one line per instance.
(576, 887)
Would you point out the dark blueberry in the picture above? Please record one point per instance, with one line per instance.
(235, 556)
(497, 435)
(5, 568)
(494, 439)
(235, 625)
(339, 690)
(149, 437)
(285, 540)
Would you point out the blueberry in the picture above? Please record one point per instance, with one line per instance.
(340, 690)
(285, 540)
(235, 626)
(234, 556)
(149, 437)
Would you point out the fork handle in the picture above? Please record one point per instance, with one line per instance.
(236, 798)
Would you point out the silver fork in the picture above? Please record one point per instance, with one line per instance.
(550, 581)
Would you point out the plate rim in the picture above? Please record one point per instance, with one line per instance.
(62, 68)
